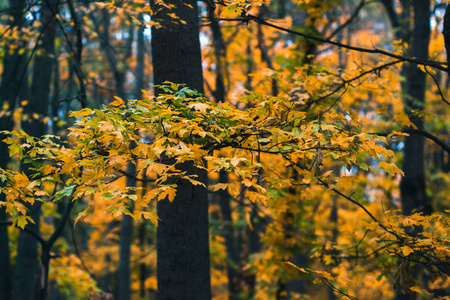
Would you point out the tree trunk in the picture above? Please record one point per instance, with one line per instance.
(13, 68)
(412, 186)
(5, 263)
(27, 253)
(446, 33)
(143, 272)
(126, 237)
(182, 236)
(219, 94)
(124, 284)
(140, 56)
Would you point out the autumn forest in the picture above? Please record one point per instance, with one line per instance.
(229, 149)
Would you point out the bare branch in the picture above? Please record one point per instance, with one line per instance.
(349, 21)
(433, 64)
(428, 135)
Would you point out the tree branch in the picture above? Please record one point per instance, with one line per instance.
(26, 229)
(349, 21)
(433, 64)
(426, 134)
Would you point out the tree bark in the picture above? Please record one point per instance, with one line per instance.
(5, 263)
(219, 94)
(182, 236)
(13, 68)
(412, 186)
(27, 253)
(140, 56)
(446, 33)
(124, 283)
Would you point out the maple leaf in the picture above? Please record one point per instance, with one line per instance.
(391, 169)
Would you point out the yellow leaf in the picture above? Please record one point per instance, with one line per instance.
(169, 192)
(202, 107)
(406, 250)
(21, 180)
(409, 222)
(21, 221)
(346, 181)
(247, 183)
(422, 68)
(196, 182)
(390, 168)
(235, 161)
(151, 216)
(397, 133)
(249, 221)
(81, 113)
(40, 193)
(118, 102)
(219, 186)
(404, 120)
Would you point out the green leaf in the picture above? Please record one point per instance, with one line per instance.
(67, 191)
(108, 196)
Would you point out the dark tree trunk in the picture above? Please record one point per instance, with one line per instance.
(124, 284)
(255, 244)
(126, 237)
(230, 243)
(13, 68)
(219, 53)
(446, 33)
(14, 65)
(26, 268)
(143, 272)
(140, 56)
(224, 199)
(5, 263)
(182, 236)
(265, 57)
(27, 253)
(412, 186)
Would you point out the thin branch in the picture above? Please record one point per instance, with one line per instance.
(134, 176)
(428, 135)
(30, 231)
(78, 55)
(362, 207)
(77, 251)
(438, 86)
(24, 72)
(62, 222)
(349, 21)
(434, 64)
(345, 82)
(338, 291)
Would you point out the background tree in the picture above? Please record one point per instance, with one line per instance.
(26, 268)
(12, 85)
(183, 243)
